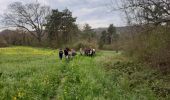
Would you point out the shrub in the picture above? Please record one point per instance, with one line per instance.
(151, 47)
(3, 43)
(85, 44)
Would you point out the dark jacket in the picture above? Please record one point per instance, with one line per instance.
(65, 52)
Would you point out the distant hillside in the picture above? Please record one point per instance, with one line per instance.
(119, 30)
(6, 31)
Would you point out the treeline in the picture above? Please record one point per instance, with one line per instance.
(76, 38)
(38, 25)
(17, 37)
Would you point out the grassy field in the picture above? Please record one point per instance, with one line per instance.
(37, 74)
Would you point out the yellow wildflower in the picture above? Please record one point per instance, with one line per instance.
(20, 94)
(14, 98)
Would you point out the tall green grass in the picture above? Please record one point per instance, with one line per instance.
(37, 74)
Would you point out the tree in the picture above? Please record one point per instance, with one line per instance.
(103, 39)
(61, 25)
(88, 32)
(30, 17)
(150, 43)
(147, 11)
(69, 27)
(3, 43)
(112, 36)
(87, 28)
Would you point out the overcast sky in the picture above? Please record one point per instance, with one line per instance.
(97, 13)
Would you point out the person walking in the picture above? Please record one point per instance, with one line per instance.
(60, 54)
(73, 52)
(81, 51)
(66, 53)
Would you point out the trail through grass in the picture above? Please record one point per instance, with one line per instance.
(37, 74)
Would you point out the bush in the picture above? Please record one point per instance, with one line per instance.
(107, 47)
(151, 47)
(85, 44)
(3, 43)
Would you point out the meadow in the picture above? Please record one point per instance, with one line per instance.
(28, 73)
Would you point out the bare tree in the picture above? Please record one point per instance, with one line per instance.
(146, 11)
(30, 17)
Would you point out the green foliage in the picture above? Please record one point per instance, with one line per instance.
(3, 43)
(103, 39)
(61, 27)
(137, 78)
(88, 33)
(107, 47)
(112, 35)
(87, 28)
(34, 73)
(85, 44)
(109, 38)
(111, 30)
(151, 47)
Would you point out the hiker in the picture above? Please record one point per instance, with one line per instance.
(60, 54)
(93, 51)
(90, 52)
(81, 51)
(69, 53)
(66, 53)
(73, 52)
(86, 51)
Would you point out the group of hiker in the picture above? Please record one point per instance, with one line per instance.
(70, 53)
(87, 52)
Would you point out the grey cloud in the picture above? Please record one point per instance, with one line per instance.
(94, 12)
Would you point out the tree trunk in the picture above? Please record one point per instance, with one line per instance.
(39, 39)
(39, 36)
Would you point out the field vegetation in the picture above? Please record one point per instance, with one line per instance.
(137, 67)
(37, 73)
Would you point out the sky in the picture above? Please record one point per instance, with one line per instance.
(97, 13)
